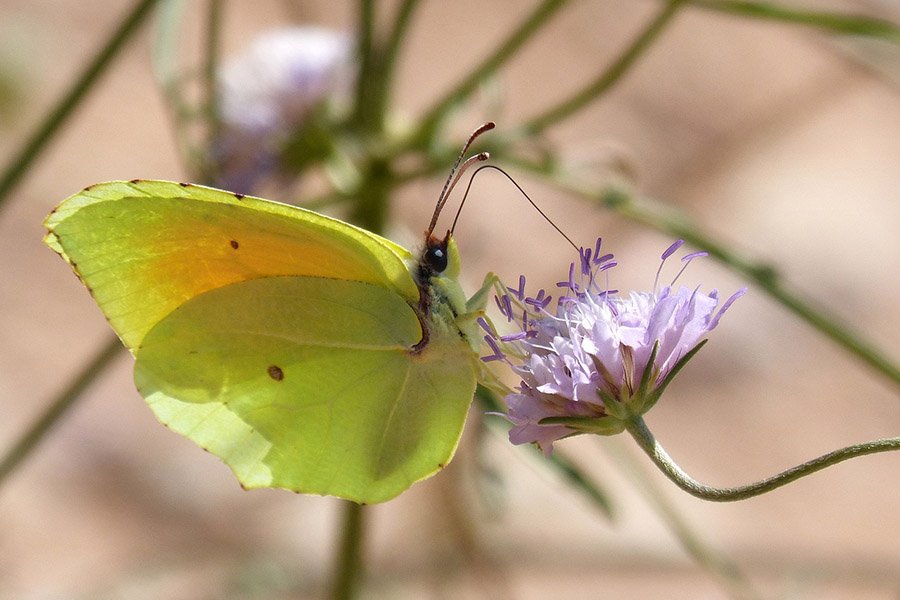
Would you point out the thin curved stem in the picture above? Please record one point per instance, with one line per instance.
(505, 50)
(59, 407)
(20, 163)
(714, 561)
(829, 21)
(608, 78)
(642, 435)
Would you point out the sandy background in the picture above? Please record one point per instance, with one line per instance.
(781, 141)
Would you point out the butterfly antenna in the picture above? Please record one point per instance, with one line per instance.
(519, 187)
(459, 167)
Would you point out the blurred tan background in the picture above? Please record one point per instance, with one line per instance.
(780, 140)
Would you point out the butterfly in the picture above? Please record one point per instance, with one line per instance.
(307, 353)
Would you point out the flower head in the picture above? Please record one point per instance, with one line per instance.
(600, 357)
(271, 89)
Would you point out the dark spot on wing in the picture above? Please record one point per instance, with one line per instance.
(239, 196)
(184, 184)
(275, 372)
(88, 188)
(134, 181)
(234, 244)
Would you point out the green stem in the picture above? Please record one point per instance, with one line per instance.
(591, 92)
(365, 115)
(568, 469)
(836, 22)
(577, 478)
(348, 570)
(606, 80)
(714, 561)
(370, 210)
(34, 434)
(762, 275)
(20, 163)
(642, 435)
(211, 83)
(506, 49)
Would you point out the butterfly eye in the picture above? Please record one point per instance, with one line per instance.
(436, 258)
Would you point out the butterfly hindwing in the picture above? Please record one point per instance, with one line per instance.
(308, 384)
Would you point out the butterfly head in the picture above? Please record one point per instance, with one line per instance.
(439, 257)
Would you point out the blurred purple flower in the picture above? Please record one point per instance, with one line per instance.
(600, 358)
(268, 91)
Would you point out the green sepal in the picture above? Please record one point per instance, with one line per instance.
(650, 370)
(650, 400)
(599, 425)
(613, 407)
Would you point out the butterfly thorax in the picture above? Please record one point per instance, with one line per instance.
(441, 299)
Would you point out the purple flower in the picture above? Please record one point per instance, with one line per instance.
(600, 358)
(270, 90)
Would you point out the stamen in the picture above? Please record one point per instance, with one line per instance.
(504, 305)
(669, 252)
(585, 255)
(482, 322)
(687, 260)
(519, 293)
(514, 337)
(497, 355)
(729, 302)
(539, 302)
(570, 284)
(671, 249)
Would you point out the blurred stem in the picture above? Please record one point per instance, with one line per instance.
(764, 276)
(644, 438)
(208, 167)
(534, 126)
(57, 408)
(371, 207)
(370, 212)
(608, 78)
(576, 477)
(20, 163)
(348, 570)
(714, 561)
(831, 21)
(570, 471)
(366, 116)
(391, 51)
(666, 219)
(166, 69)
(507, 48)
